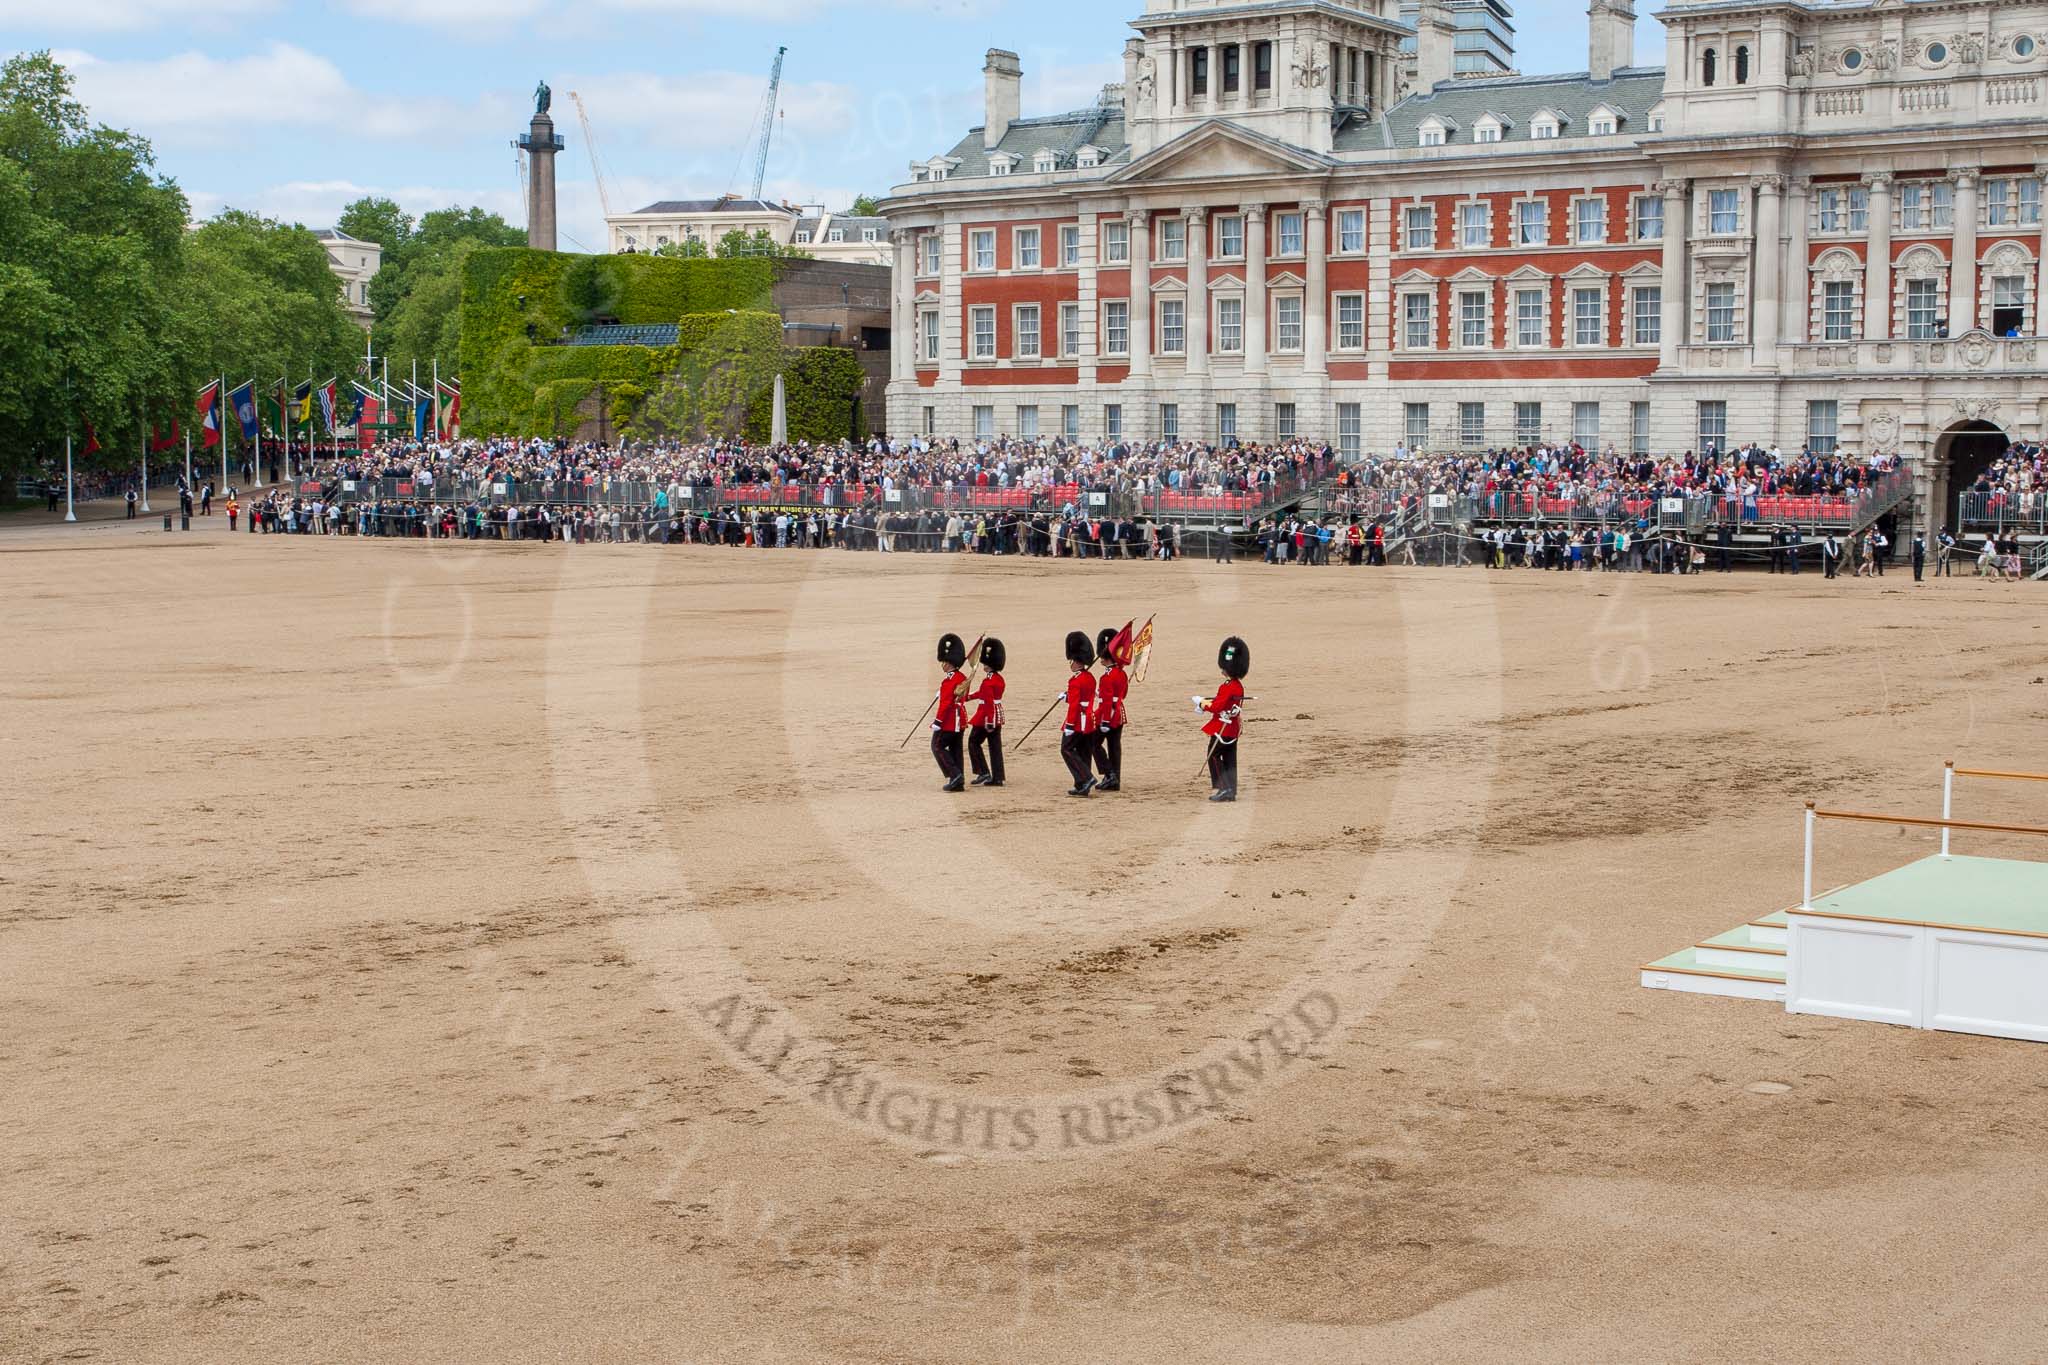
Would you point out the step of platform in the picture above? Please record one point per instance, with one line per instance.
(1685, 971)
(1746, 946)
(1771, 928)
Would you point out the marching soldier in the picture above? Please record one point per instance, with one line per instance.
(987, 720)
(1113, 646)
(951, 713)
(1076, 743)
(1226, 713)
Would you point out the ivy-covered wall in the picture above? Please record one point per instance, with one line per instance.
(717, 380)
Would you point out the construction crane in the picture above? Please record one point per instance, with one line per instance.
(604, 197)
(766, 123)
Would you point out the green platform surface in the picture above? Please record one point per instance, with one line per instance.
(2004, 895)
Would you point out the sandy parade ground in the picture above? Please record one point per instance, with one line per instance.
(427, 951)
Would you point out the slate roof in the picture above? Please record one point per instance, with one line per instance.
(1633, 90)
(852, 225)
(1100, 126)
(714, 206)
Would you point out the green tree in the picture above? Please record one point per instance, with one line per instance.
(418, 255)
(689, 249)
(377, 220)
(865, 206)
(739, 242)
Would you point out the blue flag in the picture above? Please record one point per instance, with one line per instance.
(420, 413)
(243, 401)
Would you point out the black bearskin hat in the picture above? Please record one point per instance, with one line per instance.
(1102, 641)
(993, 654)
(1235, 658)
(952, 650)
(1078, 649)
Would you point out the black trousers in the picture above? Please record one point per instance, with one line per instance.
(1077, 747)
(992, 739)
(1109, 751)
(1223, 765)
(946, 749)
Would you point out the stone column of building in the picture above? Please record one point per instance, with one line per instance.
(903, 313)
(1671, 327)
(1141, 294)
(1877, 260)
(1962, 278)
(2041, 280)
(1770, 269)
(1798, 269)
(1197, 338)
(1315, 305)
(1255, 289)
(951, 340)
(1088, 296)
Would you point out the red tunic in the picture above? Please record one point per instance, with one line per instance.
(1080, 699)
(988, 699)
(952, 712)
(1109, 698)
(1225, 711)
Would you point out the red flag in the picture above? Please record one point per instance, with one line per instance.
(92, 440)
(1120, 644)
(170, 442)
(368, 412)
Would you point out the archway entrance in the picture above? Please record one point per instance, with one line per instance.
(1962, 453)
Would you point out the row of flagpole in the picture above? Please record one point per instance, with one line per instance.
(442, 404)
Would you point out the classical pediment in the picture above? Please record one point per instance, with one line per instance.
(1219, 150)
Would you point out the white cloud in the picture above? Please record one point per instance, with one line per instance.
(120, 15)
(193, 97)
(446, 13)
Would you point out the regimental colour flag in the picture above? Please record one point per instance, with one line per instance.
(243, 401)
(447, 410)
(209, 415)
(326, 393)
(1141, 651)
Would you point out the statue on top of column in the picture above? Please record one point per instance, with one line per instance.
(542, 99)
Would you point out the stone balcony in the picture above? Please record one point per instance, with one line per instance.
(1972, 353)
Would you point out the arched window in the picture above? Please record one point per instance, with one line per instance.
(1707, 67)
(1742, 66)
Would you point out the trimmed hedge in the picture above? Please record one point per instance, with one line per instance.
(717, 379)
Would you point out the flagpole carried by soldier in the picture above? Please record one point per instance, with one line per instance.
(1113, 646)
(947, 720)
(1076, 744)
(987, 721)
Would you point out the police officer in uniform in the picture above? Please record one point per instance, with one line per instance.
(1226, 717)
(950, 717)
(987, 721)
(1110, 692)
(1077, 744)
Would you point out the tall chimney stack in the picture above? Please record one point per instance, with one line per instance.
(1002, 81)
(1435, 44)
(1610, 37)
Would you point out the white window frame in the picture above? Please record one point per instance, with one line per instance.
(1710, 423)
(1116, 242)
(1589, 215)
(1111, 327)
(1070, 329)
(1462, 297)
(1646, 314)
(1724, 203)
(1823, 425)
(977, 238)
(1285, 415)
(1289, 322)
(1227, 226)
(1290, 224)
(1648, 213)
(985, 421)
(1351, 230)
(1729, 323)
(1418, 323)
(1418, 227)
(1027, 248)
(1523, 223)
(1528, 422)
(1415, 425)
(1581, 319)
(928, 334)
(1475, 220)
(1171, 313)
(1170, 236)
(930, 249)
(1347, 312)
(1838, 325)
(976, 315)
(1027, 332)
(1027, 421)
(1520, 338)
(1227, 312)
(1070, 245)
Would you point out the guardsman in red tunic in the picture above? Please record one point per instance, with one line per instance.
(1077, 741)
(1226, 717)
(951, 716)
(1113, 646)
(987, 719)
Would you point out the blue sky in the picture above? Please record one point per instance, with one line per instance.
(293, 108)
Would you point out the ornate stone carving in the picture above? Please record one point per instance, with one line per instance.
(1670, 189)
(1881, 431)
(2020, 350)
(1309, 74)
(1254, 213)
(1803, 62)
(1773, 183)
(1976, 348)
(1969, 48)
(1882, 353)
(1879, 180)
(1975, 409)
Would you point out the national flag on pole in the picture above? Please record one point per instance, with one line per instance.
(159, 441)
(1141, 651)
(447, 410)
(243, 401)
(369, 410)
(326, 392)
(92, 440)
(302, 405)
(419, 416)
(209, 415)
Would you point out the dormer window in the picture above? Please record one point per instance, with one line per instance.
(1546, 123)
(1001, 163)
(1435, 130)
(1045, 161)
(1489, 127)
(1603, 121)
(803, 237)
(1655, 121)
(1088, 158)
(836, 235)
(869, 235)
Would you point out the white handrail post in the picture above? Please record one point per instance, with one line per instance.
(1948, 799)
(1806, 885)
